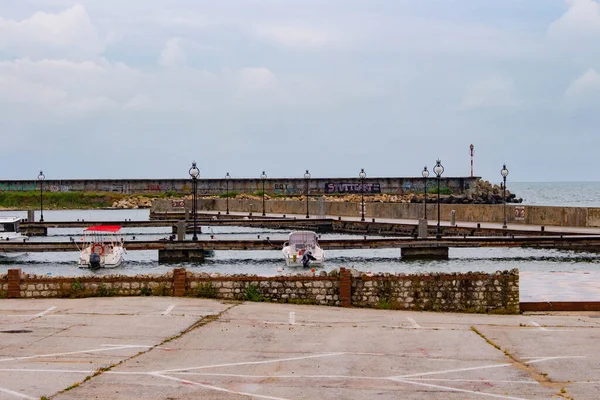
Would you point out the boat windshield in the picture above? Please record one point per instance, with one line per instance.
(303, 238)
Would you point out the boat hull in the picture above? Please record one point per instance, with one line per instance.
(111, 259)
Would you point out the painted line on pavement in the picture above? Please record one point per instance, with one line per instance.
(413, 323)
(168, 310)
(292, 318)
(67, 353)
(451, 389)
(19, 395)
(251, 362)
(537, 325)
(216, 388)
(45, 312)
(451, 370)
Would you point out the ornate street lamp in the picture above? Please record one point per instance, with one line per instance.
(438, 170)
(362, 175)
(504, 173)
(425, 174)
(307, 177)
(41, 178)
(263, 178)
(227, 178)
(194, 173)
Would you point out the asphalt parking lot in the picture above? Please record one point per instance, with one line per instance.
(183, 348)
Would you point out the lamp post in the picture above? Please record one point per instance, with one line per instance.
(194, 173)
(425, 174)
(307, 177)
(504, 173)
(227, 178)
(362, 175)
(263, 178)
(471, 147)
(41, 178)
(439, 170)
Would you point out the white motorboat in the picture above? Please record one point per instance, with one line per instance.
(102, 247)
(9, 231)
(302, 250)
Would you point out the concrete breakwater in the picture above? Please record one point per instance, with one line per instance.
(273, 186)
(318, 207)
(450, 292)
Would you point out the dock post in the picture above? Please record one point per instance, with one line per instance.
(180, 230)
(422, 228)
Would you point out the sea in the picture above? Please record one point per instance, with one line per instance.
(545, 274)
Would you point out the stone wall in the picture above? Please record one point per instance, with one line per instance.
(320, 289)
(470, 292)
(272, 186)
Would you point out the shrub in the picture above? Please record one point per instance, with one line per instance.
(253, 294)
(145, 291)
(103, 291)
(207, 290)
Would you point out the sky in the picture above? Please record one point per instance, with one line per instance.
(141, 88)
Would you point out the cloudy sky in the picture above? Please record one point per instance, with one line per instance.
(140, 88)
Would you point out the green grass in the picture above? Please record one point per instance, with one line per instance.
(58, 200)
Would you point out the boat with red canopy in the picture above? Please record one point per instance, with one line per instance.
(102, 247)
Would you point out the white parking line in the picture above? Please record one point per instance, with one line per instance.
(19, 395)
(538, 325)
(451, 389)
(168, 310)
(251, 362)
(216, 388)
(68, 353)
(45, 312)
(413, 323)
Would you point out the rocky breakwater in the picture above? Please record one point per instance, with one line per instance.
(483, 193)
(133, 202)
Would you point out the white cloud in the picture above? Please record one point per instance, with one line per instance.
(585, 90)
(297, 37)
(173, 55)
(579, 27)
(68, 31)
(489, 92)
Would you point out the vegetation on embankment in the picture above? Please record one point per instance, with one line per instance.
(57, 200)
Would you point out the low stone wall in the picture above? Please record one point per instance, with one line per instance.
(470, 292)
(321, 289)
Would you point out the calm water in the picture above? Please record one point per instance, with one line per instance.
(266, 263)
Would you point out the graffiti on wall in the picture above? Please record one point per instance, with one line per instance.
(17, 187)
(352, 188)
(60, 188)
(284, 188)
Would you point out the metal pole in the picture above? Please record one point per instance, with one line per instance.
(263, 190)
(438, 234)
(194, 207)
(425, 200)
(227, 194)
(471, 147)
(504, 199)
(41, 202)
(307, 216)
(362, 199)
